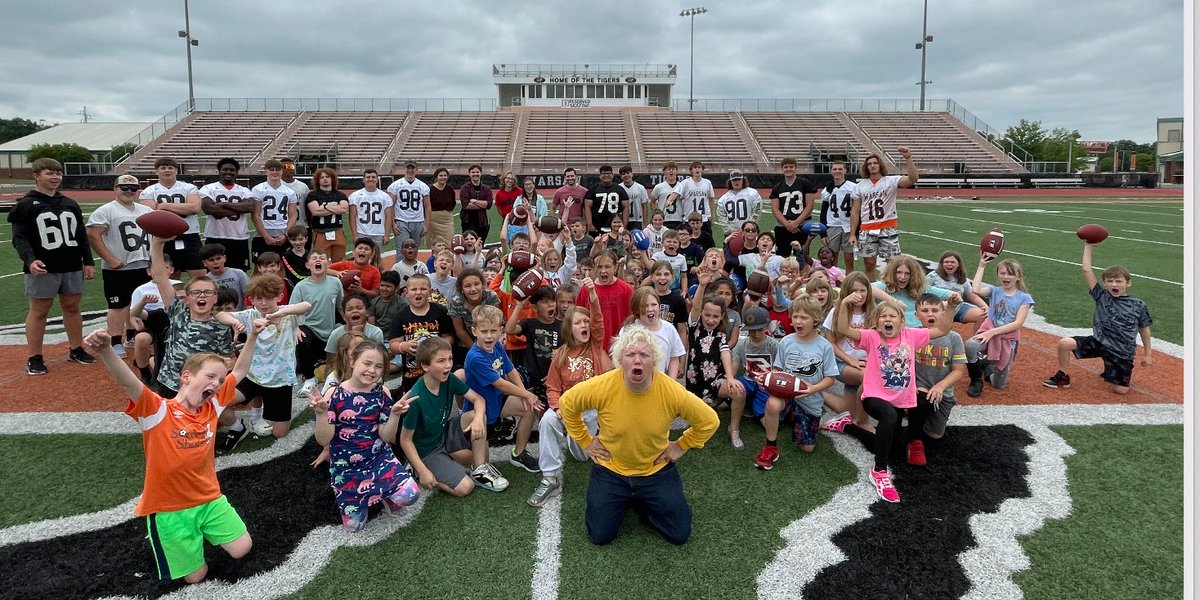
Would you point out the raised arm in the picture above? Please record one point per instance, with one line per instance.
(513, 325)
(910, 168)
(841, 319)
(99, 343)
(242, 366)
(977, 281)
(1088, 275)
(159, 273)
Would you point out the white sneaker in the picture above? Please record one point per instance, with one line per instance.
(489, 478)
(309, 385)
(261, 428)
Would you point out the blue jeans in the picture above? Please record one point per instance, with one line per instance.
(657, 498)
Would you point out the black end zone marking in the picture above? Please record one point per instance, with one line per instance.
(280, 500)
(910, 549)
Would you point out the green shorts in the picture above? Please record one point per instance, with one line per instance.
(177, 537)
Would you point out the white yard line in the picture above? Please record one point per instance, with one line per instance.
(1057, 260)
(1090, 216)
(1051, 229)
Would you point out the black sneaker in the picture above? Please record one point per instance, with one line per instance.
(525, 460)
(35, 365)
(975, 388)
(1059, 380)
(230, 438)
(78, 355)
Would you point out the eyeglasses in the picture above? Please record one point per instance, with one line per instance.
(128, 188)
(202, 293)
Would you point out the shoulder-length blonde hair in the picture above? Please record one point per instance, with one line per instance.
(916, 276)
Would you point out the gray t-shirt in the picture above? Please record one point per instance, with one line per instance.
(1117, 320)
(749, 358)
(234, 279)
(935, 280)
(811, 361)
(934, 362)
(301, 190)
(122, 236)
(325, 297)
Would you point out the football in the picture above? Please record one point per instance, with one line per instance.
(1090, 233)
(457, 244)
(549, 224)
(519, 214)
(520, 260)
(162, 223)
(640, 239)
(992, 243)
(526, 284)
(783, 385)
(816, 228)
(737, 242)
(349, 277)
(758, 282)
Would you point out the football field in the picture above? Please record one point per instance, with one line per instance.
(1033, 493)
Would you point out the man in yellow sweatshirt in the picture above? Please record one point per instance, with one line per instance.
(633, 455)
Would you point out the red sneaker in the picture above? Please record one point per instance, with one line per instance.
(916, 453)
(767, 457)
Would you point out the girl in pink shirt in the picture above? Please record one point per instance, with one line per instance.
(889, 379)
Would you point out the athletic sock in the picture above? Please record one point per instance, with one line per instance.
(116, 340)
(772, 443)
(255, 414)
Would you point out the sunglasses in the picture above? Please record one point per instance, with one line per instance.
(128, 188)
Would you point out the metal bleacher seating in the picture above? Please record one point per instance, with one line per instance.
(209, 136)
(459, 138)
(361, 138)
(709, 137)
(938, 144)
(799, 134)
(554, 138)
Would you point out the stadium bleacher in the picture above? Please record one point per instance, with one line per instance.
(539, 139)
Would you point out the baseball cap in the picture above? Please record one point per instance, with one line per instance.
(128, 180)
(736, 174)
(410, 164)
(755, 318)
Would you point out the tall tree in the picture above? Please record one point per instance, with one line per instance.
(16, 127)
(63, 153)
(1029, 135)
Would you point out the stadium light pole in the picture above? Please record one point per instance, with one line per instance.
(691, 14)
(186, 34)
(922, 45)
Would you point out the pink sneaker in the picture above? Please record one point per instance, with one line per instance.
(838, 424)
(883, 486)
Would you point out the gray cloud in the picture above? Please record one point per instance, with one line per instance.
(1108, 68)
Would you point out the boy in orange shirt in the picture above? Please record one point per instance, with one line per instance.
(181, 498)
(363, 262)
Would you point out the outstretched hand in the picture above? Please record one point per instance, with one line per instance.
(318, 404)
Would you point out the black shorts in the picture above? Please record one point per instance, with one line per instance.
(277, 401)
(1117, 370)
(186, 258)
(259, 245)
(119, 285)
(784, 239)
(237, 252)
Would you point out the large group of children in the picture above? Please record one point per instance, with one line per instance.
(427, 361)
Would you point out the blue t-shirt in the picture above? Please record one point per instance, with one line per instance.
(910, 303)
(482, 370)
(1002, 309)
(811, 361)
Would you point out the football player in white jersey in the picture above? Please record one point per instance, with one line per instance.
(228, 206)
(275, 209)
(183, 199)
(873, 223)
(739, 204)
(125, 249)
(837, 202)
(673, 212)
(371, 212)
(639, 200)
(697, 195)
(411, 198)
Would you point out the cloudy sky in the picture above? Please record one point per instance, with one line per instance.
(1108, 68)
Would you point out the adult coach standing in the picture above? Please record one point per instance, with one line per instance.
(604, 201)
(48, 234)
(568, 199)
(476, 198)
(114, 234)
(441, 208)
(634, 458)
(183, 199)
(792, 202)
(874, 228)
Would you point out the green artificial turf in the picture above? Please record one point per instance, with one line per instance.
(1124, 538)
